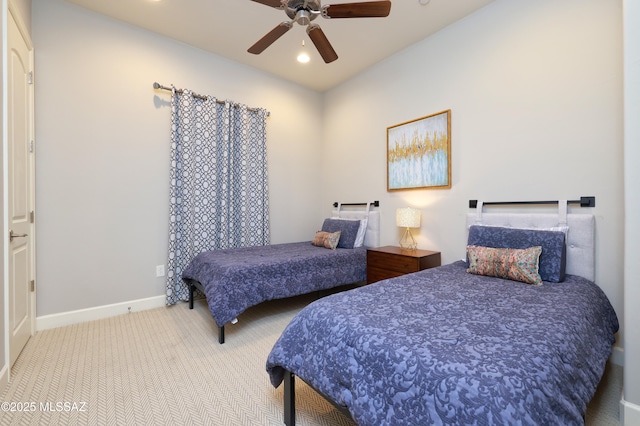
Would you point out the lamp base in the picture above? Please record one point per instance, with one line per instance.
(407, 242)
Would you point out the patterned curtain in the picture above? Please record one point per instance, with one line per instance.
(219, 193)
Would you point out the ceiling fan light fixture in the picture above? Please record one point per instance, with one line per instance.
(303, 57)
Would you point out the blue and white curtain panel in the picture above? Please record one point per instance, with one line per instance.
(218, 192)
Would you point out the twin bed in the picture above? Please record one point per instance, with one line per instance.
(493, 339)
(233, 280)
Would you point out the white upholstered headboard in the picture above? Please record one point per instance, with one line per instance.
(580, 238)
(372, 236)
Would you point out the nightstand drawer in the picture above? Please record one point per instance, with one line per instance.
(390, 262)
(376, 274)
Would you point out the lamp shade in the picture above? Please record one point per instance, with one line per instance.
(408, 218)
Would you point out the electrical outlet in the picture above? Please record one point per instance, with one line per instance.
(160, 271)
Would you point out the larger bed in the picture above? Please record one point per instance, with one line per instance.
(233, 280)
(445, 346)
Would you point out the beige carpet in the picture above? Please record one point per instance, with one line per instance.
(165, 367)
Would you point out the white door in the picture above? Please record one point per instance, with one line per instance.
(19, 184)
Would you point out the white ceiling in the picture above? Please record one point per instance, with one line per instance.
(229, 27)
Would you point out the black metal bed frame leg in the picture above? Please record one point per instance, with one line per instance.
(289, 398)
(192, 289)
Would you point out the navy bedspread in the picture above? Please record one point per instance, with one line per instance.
(236, 279)
(445, 347)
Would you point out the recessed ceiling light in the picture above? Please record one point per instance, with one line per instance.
(424, 2)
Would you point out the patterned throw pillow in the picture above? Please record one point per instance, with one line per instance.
(512, 264)
(326, 239)
(553, 259)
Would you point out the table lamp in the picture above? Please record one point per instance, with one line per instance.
(408, 218)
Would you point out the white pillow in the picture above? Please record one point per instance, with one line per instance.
(361, 231)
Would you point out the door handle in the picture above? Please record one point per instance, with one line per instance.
(12, 235)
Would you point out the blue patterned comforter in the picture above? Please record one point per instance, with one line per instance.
(236, 279)
(445, 347)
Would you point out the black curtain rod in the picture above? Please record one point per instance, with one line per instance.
(583, 201)
(375, 204)
(195, 95)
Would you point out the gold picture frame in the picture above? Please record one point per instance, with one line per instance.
(419, 153)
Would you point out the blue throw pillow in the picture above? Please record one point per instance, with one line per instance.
(554, 249)
(348, 231)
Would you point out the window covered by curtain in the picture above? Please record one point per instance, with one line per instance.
(218, 191)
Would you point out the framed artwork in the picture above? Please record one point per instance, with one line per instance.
(419, 153)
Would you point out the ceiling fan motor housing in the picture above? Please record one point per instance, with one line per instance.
(303, 11)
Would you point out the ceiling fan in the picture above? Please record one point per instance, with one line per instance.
(305, 11)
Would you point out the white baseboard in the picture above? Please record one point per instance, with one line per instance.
(46, 322)
(617, 356)
(4, 379)
(629, 413)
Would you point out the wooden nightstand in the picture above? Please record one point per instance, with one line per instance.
(390, 261)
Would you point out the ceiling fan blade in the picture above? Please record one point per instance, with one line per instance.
(322, 43)
(269, 38)
(272, 3)
(365, 9)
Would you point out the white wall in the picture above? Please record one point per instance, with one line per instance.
(102, 152)
(535, 90)
(632, 206)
